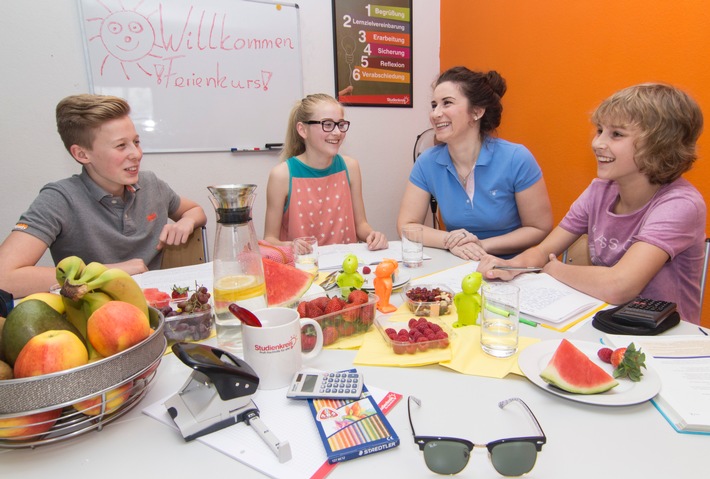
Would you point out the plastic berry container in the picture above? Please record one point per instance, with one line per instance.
(428, 299)
(352, 320)
(188, 326)
(408, 342)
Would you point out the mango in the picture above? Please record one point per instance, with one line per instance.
(26, 320)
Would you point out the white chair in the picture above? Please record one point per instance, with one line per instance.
(194, 251)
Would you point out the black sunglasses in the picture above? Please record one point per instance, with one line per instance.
(449, 455)
(329, 125)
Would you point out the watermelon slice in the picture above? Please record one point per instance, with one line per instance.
(571, 370)
(156, 298)
(285, 284)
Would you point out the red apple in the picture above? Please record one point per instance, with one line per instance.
(114, 399)
(49, 352)
(22, 427)
(116, 326)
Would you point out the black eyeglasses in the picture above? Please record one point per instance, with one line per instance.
(329, 125)
(510, 457)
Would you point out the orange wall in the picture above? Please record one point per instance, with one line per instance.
(561, 58)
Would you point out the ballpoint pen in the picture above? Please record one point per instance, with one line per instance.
(530, 269)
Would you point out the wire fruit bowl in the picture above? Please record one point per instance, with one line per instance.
(133, 369)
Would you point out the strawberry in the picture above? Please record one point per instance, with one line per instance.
(367, 314)
(301, 308)
(321, 302)
(616, 356)
(358, 296)
(179, 292)
(605, 354)
(330, 335)
(351, 312)
(313, 311)
(308, 339)
(333, 305)
(346, 329)
(630, 365)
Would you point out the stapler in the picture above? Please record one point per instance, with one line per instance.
(218, 394)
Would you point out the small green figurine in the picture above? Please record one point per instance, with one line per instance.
(350, 278)
(468, 301)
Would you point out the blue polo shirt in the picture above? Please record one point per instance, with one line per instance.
(502, 169)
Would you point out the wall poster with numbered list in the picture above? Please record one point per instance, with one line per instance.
(373, 52)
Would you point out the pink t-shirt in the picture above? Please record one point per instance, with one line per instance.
(674, 221)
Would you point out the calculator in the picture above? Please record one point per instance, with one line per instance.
(317, 385)
(644, 312)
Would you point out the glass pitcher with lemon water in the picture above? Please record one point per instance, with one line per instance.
(238, 270)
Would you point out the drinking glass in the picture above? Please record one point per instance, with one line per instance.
(413, 246)
(499, 319)
(305, 254)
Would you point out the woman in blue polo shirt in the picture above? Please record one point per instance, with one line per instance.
(491, 193)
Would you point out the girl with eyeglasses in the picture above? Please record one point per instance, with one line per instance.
(316, 191)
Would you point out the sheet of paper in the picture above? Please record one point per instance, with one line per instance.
(683, 363)
(290, 420)
(184, 276)
(331, 256)
(542, 297)
(677, 346)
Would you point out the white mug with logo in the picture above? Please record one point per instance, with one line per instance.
(274, 349)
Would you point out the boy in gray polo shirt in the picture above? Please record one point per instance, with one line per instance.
(112, 212)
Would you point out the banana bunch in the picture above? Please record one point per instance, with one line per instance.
(87, 287)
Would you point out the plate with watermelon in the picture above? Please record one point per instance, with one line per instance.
(576, 366)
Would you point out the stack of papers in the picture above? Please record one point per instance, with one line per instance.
(683, 364)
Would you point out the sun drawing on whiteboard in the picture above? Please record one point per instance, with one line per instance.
(128, 38)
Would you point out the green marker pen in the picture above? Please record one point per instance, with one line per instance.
(496, 310)
(528, 322)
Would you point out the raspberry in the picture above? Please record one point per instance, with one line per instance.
(366, 270)
(605, 355)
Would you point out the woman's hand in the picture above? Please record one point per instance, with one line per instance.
(376, 240)
(464, 245)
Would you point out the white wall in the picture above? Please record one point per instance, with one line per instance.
(42, 61)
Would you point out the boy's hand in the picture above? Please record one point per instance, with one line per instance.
(175, 233)
(132, 266)
(486, 268)
(376, 240)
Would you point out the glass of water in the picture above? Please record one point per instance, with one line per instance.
(305, 254)
(499, 319)
(413, 246)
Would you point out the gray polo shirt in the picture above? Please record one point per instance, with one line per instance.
(76, 217)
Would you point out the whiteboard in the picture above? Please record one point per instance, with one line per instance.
(201, 75)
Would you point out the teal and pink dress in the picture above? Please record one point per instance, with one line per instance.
(319, 203)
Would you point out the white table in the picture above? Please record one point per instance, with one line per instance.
(583, 441)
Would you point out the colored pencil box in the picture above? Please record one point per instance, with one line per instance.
(352, 428)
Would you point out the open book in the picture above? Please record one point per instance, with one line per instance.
(543, 298)
(683, 364)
